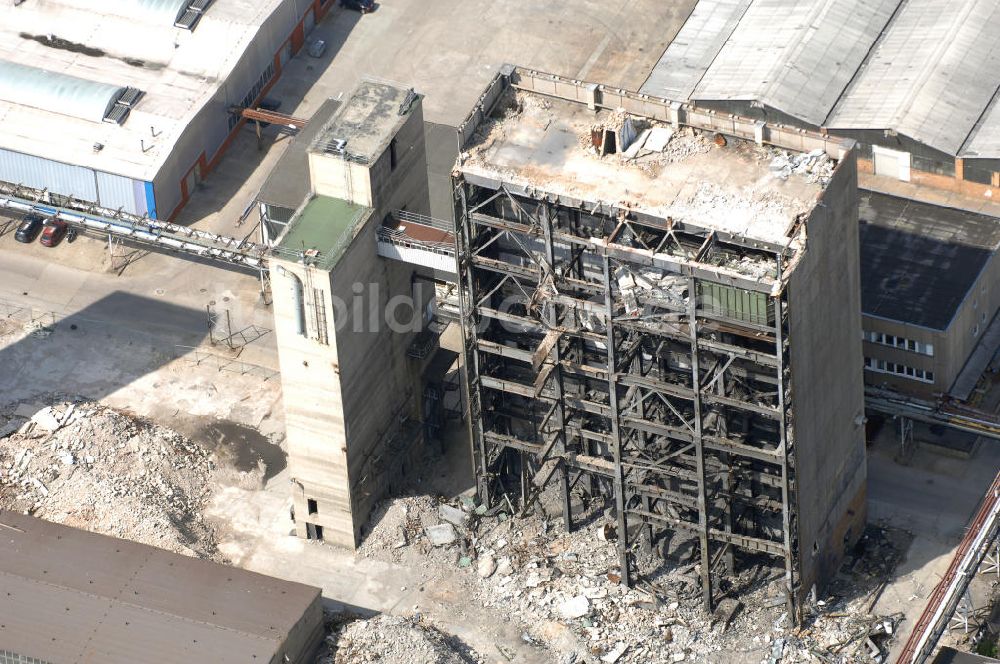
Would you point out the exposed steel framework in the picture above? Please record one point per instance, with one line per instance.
(665, 401)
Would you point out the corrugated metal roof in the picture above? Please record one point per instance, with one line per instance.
(794, 56)
(76, 596)
(55, 92)
(984, 143)
(931, 75)
(692, 51)
(927, 69)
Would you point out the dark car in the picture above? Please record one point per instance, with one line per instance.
(28, 230)
(54, 232)
(363, 6)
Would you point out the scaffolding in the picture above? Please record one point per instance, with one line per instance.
(661, 386)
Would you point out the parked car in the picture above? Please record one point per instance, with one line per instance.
(54, 232)
(29, 228)
(363, 6)
(317, 48)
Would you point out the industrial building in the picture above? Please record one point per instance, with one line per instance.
(75, 596)
(352, 388)
(655, 316)
(910, 82)
(914, 82)
(128, 105)
(928, 295)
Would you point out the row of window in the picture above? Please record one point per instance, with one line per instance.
(881, 366)
(254, 92)
(899, 342)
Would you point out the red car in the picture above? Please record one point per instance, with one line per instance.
(53, 233)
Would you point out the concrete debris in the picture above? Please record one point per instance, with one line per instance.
(615, 653)
(389, 639)
(658, 139)
(487, 566)
(441, 535)
(453, 515)
(88, 466)
(47, 420)
(575, 607)
(815, 166)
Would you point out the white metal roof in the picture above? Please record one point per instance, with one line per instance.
(795, 56)
(130, 43)
(931, 76)
(984, 143)
(692, 51)
(927, 69)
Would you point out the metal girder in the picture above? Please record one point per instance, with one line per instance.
(715, 535)
(643, 405)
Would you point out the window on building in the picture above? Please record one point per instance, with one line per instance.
(393, 158)
(881, 366)
(313, 507)
(893, 341)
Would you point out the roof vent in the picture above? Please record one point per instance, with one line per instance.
(191, 14)
(123, 105)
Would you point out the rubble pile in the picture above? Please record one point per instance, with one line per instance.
(814, 166)
(398, 524)
(88, 466)
(386, 639)
(564, 590)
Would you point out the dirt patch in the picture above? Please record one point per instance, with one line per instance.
(243, 447)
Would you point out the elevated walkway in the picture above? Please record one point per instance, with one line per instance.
(418, 240)
(142, 230)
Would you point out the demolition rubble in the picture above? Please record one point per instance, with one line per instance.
(565, 590)
(385, 638)
(85, 465)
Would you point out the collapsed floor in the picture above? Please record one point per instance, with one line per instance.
(85, 465)
(565, 593)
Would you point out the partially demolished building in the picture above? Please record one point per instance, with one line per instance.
(660, 308)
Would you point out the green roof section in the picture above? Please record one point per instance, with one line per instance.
(322, 231)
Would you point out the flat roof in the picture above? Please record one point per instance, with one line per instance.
(544, 143)
(133, 44)
(919, 260)
(287, 186)
(76, 596)
(323, 230)
(366, 122)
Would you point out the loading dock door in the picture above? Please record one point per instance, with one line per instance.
(892, 163)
